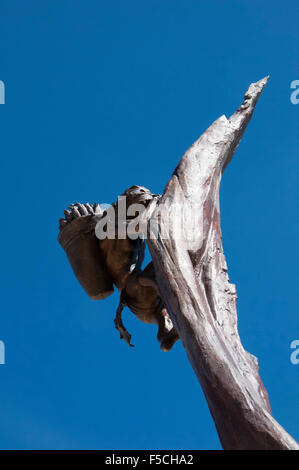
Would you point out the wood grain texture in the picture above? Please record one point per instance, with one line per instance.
(191, 273)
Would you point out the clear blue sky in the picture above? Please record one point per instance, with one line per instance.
(100, 96)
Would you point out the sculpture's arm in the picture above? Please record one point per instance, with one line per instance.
(124, 334)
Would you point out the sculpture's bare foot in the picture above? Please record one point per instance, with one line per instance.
(77, 238)
(77, 210)
(169, 339)
(124, 334)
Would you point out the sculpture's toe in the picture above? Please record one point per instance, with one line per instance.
(74, 211)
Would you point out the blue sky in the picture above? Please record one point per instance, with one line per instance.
(100, 96)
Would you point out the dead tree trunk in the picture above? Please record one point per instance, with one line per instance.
(193, 282)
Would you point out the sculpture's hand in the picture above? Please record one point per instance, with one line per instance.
(124, 334)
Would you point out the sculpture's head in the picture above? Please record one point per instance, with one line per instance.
(138, 195)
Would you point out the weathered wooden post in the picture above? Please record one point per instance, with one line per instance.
(192, 277)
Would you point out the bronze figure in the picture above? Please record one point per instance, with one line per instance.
(100, 264)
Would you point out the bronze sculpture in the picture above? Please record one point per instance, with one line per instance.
(193, 282)
(100, 264)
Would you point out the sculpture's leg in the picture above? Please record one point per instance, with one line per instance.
(147, 277)
(124, 334)
(143, 299)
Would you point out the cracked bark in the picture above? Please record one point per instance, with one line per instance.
(194, 284)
